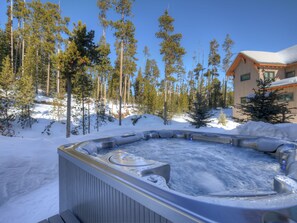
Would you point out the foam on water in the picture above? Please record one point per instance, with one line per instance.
(199, 168)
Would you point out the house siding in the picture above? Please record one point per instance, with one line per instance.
(244, 88)
(292, 104)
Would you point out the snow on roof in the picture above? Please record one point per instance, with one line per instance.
(286, 81)
(285, 56)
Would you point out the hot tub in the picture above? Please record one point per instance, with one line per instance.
(179, 176)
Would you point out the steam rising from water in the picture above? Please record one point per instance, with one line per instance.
(199, 168)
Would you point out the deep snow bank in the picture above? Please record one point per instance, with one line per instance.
(287, 131)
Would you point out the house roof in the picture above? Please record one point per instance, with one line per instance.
(285, 56)
(287, 82)
(280, 58)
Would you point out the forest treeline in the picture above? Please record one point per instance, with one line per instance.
(39, 54)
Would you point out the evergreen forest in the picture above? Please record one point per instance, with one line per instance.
(41, 55)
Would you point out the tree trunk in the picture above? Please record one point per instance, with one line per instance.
(68, 122)
(105, 89)
(6, 106)
(101, 89)
(83, 116)
(23, 47)
(59, 110)
(125, 90)
(165, 98)
(121, 74)
(48, 77)
(129, 85)
(16, 55)
(89, 118)
(11, 34)
(58, 76)
(83, 109)
(225, 92)
(98, 87)
(97, 115)
(23, 56)
(36, 73)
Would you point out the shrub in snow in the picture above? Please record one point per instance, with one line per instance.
(266, 105)
(58, 109)
(199, 112)
(222, 118)
(100, 113)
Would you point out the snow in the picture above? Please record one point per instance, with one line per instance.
(286, 131)
(289, 55)
(29, 161)
(264, 57)
(285, 56)
(286, 81)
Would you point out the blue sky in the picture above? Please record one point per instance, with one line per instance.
(265, 25)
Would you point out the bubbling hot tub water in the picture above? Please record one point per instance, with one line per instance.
(199, 168)
(211, 178)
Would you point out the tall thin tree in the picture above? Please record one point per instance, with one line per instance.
(172, 53)
(227, 47)
(123, 7)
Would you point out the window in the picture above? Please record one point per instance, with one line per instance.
(289, 74)
(286, 97)
(269, 75)
(243, 100)
(245, 77)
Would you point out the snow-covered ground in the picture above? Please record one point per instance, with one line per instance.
(29, 161)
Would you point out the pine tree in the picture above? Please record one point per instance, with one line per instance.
(6, 96)
(9, 29)
(191, 87)
(199, 113)
(266, 105)
(227, 46)
(82, 81)
(53, 25)
(114, 81)
(4, 49)
(21, 13)
(214, 58)
(70, 62)
(150, 81)
(104, 6)
(25, 100)
(198, 70)
(216, 93)
(213, 64)
(125, 32)
(172, 54)
(139, 88)
(83, 89)
(183, 99)
(41, 33)
(105, 67)
(58, 110)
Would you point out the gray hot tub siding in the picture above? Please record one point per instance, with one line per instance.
(97, 192)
